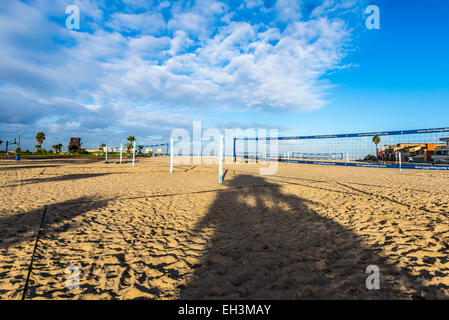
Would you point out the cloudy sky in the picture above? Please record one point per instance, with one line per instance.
(143, 68)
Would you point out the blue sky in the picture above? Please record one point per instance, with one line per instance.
(143, 68)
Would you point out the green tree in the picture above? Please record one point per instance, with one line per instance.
(38, 148)
(57, 147)
(376, 141)
(40, 137)
(101, 147)
(129, 145)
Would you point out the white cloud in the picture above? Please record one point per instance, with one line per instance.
(179, 42)
(239, 67)
(197, 20)
(250, 4)
(150, 23)
(288, 10)
(190, 22)
(149, 47)
(204, 56)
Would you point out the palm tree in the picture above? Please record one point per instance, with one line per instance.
(376, 141)
(40, 137)
(57, 147)
(129, 145)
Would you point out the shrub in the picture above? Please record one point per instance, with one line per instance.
(370, 157)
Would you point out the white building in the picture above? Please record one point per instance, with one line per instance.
(104, 150)
(157, 151)
(442, 153)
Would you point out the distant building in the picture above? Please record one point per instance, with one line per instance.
(104, 150)
(381, 154)
(150, 150)
(442, 152)
(114, 150)
(421, 152)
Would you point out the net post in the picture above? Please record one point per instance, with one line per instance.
(134, 152)
(220, 160)
(400, 162)
(171, 155)
(257, 147)
(106, 154)
(233, 151)
(121, 148)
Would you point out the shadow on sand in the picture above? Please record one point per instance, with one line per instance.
(61, 178)
(266, 244)
(19, 227)
(49, 163)
(18, 237)
(271, 245)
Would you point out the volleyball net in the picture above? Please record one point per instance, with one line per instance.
(413, 147)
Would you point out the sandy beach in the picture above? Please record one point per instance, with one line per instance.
(307, 232)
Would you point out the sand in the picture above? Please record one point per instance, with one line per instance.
(307, 232)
